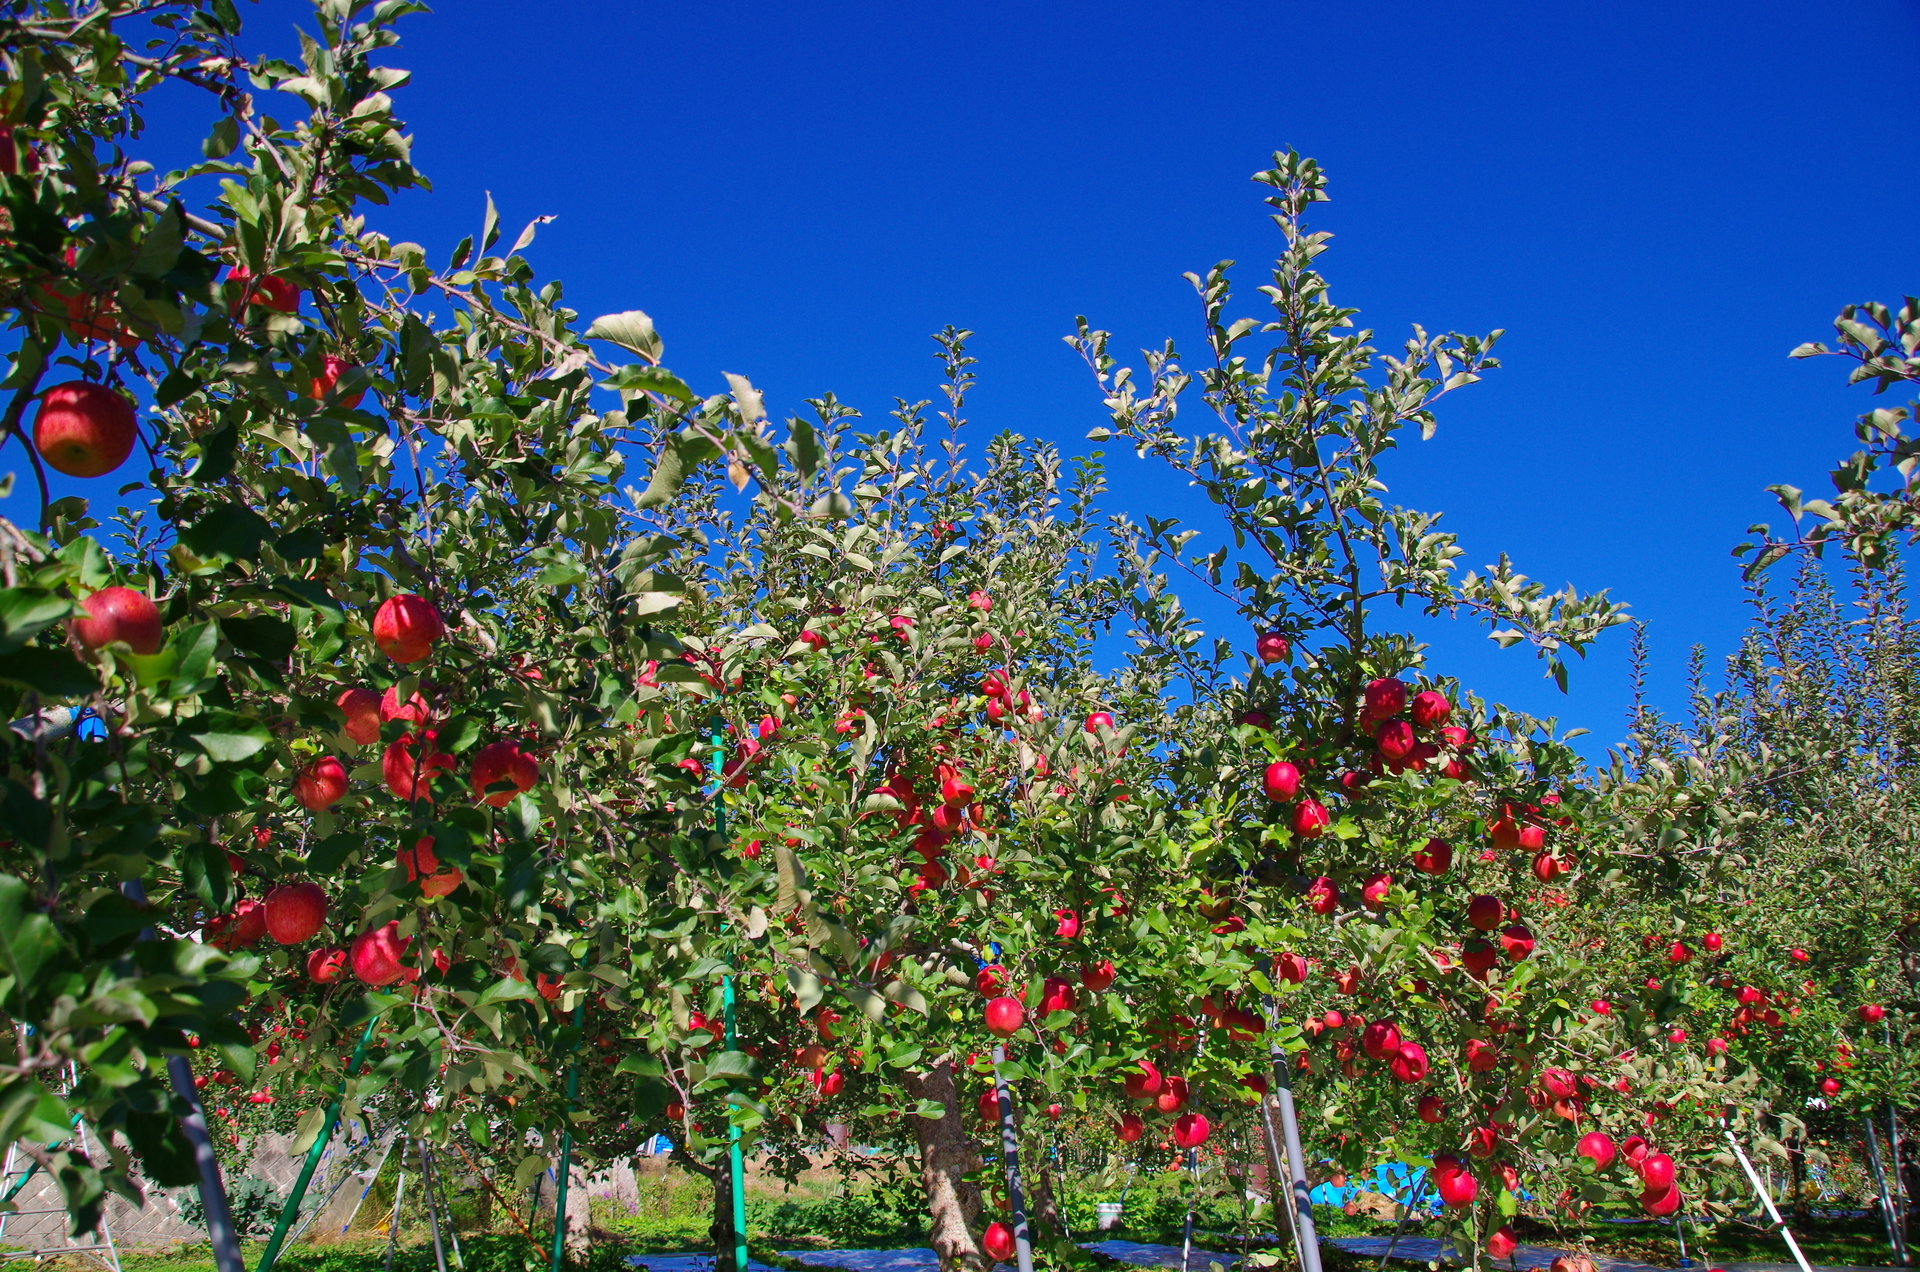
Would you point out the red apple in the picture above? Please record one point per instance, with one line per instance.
(376, 954)
(1373, 893)
(1831, 1086)
(954, 792)
(1310, 819)
(1271, 647)
(1547, 867)
(1872, 1013)
(990, 980)
(1381, 1040)
(1656, 1171)
(1098, 977)
(815, 641)
(1190, 1130)
(1099, 720)
(1601, 1007)
(267, 290)
(1145, 1084)
(1431, 1110)
(1068, 927)
(1056, 995)
(1281, 781)
(833, 1083)
(1409, 1064)
(120, 614)
(408, 778)
(1395, 740)
(320, 784)
(1385, 697)
(1457, 1188)
(84, 430)
(1482, 1056)
(325, 965)
(1485, 912)
(1798, 956)
(1291, 967)
(1005, 1016)
(1436, 858)
(998, 1242)
(1130, 1128)
(1323, 897)
(1172, 1096)
(423, 867)
(1713, 942)
(406, 626)
(1597, 1147)
(1717, 1046)
(415, 710)
(1660, 1201)
(502, 764)
(295, 912)
(1478, 956)
(332, 367)
(1678, 953)
(362, 709)
(1429, 709)
(1502, 1242)
(1516, 942)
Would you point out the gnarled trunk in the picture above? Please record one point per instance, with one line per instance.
(947, 1155)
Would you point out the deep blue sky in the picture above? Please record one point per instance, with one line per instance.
(1656, 201)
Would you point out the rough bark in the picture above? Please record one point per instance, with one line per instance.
(947, 1156)
(720, 1231)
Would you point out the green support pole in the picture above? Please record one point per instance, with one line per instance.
(736, 1165)
(566, 1159)
(291, 1211)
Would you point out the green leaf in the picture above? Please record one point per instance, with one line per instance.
(52, 673)
(228, 739)
(806, 988)
(932, 1110)
(632, 331)
(25, 612)
(228, 532)
(309, 1129)
(265, 637)
(645, 379)
(28, 939)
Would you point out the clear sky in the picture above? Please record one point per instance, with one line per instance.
(1656, 201)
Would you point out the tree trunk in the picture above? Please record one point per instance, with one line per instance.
(722, 1230)
(947, 1156)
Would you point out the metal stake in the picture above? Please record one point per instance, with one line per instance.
(1186, 1232)
(736, 1164)
(1773, 1212)
(291, 1210)
(1010, 1151)
(433, 1211)
(566, 1160)
(1308, 1240)
(399, 1191)
(1886, 1201)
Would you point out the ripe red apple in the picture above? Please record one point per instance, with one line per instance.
(1068, 927)
(1482, 1056)
(1190, 1130)
(1798, 956)
(502, 764)
(410, 778)
(1502, 1242)
(362, 709)
(1130, 1129)
(1717, 1046)
(990, 980)
(1256, 717)
(1281, 782)
(1547, 867)
(998, 1242)
(1749, 996)
(1099, 720)
(1381, 1040)
(1323, 897)
(423, 867)
(1310, 819)
(1597, 1147)
(1385, 697)
(320, 784)
(1271, 647)
(1409, 1064)
(406, 626)
(1429, 709)
(1145, 1084)
(325, 965)
(295, 912)
(1457, 1188)
(1431, 1110)
(1660, 1201)
(1291, 967)
(332, 367)
(1678, 953)
(1485, 912)
(815, 641)
(268, 290)
(1601, 1007)
(1713, 942)
(1436, 858)
(989, 1105)
(954, 792)
(1005, 1016)
(1558, 1084)
(1656, 1171)
(1872, 1013)
(1634, 1149)
(1056, 995)
(376, 954)
(833, 1083)
(1516, 942)
(1373, 893)
(1172, 1096)
(1395, 740)
(415, 710)
(1830, 1086)
(122, 614)
(84, 430)
(1098, 977)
